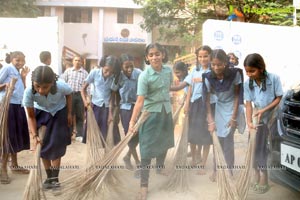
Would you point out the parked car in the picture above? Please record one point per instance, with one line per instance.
(284, 141)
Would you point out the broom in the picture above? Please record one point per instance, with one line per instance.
(4, 106)
(177, 112)
(178, 179)
(87, 186)
(34, 182)
(94, 139)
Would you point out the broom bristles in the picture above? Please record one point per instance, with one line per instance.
(178, 179)
(84, 185)
(33, 187)
(5, 101)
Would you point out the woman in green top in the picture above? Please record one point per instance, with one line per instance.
(156, 135)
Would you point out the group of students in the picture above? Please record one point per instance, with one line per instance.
(215, 100)
(216, 97)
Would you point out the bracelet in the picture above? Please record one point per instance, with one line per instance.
(211, 123)
(233, 119)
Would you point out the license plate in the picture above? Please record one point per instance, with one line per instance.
(290, 157)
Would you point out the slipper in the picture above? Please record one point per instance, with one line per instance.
(261, 189)
(18, 170)
(4, 179)
(253, 185)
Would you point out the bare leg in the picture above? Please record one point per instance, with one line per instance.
(193, 152)
(204, 159)
(15, 168)
(4, 176)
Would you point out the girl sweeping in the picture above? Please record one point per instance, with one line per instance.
(127, 86)
(227, 84)
(264, 91)
(18, 135)
(102, 79)
(156, 135)
(48, 103)
(198, 135)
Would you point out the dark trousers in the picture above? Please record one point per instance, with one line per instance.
(146, 166)
(78, 112)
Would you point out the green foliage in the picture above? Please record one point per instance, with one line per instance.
(18, 8)
(184, 18)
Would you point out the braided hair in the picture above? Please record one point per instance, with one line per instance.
(255, 60)
(44, 74)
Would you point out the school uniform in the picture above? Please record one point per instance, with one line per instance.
(261, 99)
(224, 91)
(198, 131)
(18, 134)
(100, 99)
(156, 134)
(51, 111)
(127, 89)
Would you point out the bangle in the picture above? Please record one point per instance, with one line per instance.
(211, 123)
(233, 119)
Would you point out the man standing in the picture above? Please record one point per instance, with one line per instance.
(75, 77)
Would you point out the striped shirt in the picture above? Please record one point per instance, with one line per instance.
(75, 78)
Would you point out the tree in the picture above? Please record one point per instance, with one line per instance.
(18, 8)
(184, 18)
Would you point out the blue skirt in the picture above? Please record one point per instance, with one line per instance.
(18, 134)
(57, 135)
(198, 130)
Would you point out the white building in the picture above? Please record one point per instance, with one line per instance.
(95, 28)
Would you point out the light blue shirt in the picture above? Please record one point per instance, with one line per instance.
(224, 106)
(50, 103)
(261, 98)
(101, 92)
(127, 88)
(6, 74)
(197, 86)
(155, 86)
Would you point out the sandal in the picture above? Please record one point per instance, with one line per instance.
(4, 179)
(18, 170)
(142, 195)
(253, 185)
(261, 189)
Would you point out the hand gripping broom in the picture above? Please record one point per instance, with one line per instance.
(33, 189)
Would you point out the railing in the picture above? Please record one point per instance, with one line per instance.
(188, 59)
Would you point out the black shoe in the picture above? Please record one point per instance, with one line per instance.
(47, 184)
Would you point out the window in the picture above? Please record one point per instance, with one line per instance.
(125, 16)
(77, 15)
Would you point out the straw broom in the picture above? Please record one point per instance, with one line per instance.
(177, 112)
(4, 106)
(178, 179)
(94, 140)
(89, 185)
(34, 182)
(226, 187)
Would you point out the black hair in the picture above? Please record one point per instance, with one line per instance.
(181, 66)
(160, 48)
(12, 55)
(111, 61)
(220, 54)
(44, 74)
(203, 48)
(125, 57)
(236, 58)
(255, 60)
(44, 56)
